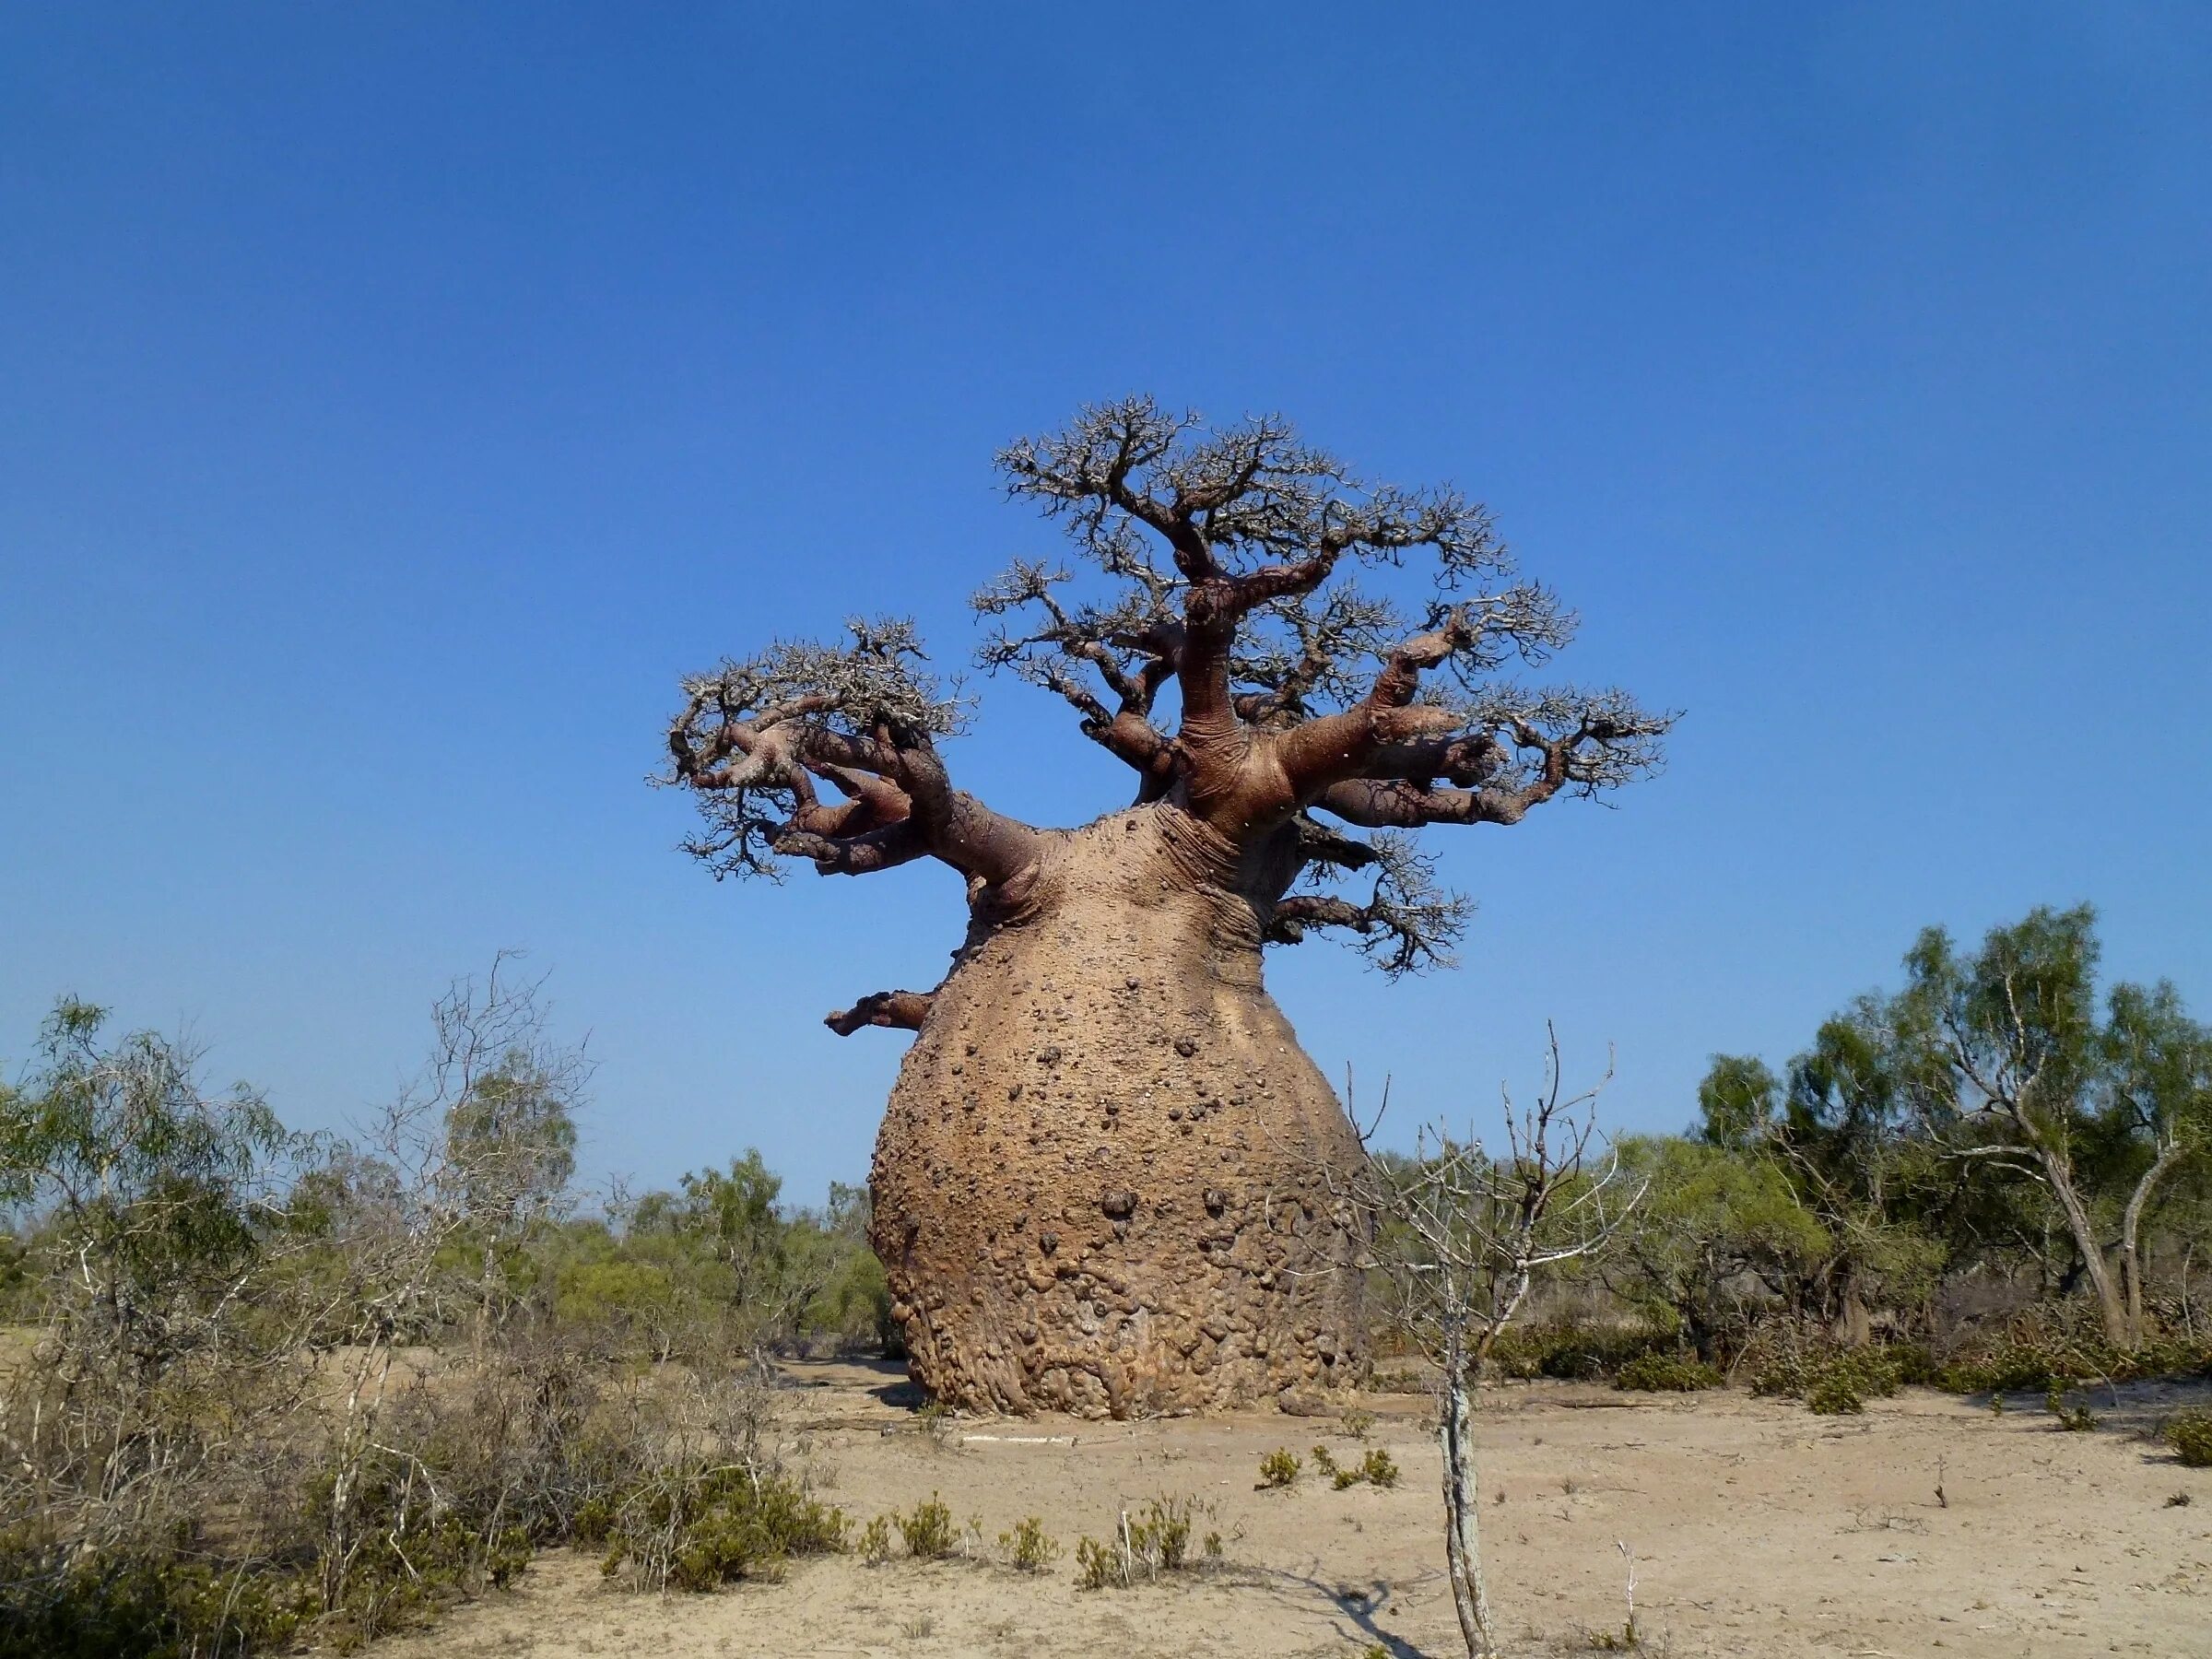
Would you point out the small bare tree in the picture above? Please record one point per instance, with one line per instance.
(472, 1153)
(1460, 1237)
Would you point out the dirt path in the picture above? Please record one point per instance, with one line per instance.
(1759, 1531)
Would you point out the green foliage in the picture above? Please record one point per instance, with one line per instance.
(1029, 1548)
(1830, 1378)
(1278, 1468)
(151, 1190)
(928, 1533)
(1374, 1469)
(156, 1602)
(215, 1445)
(1097, 1567)
(1738, 1103)
(1575, 1352)
(1655, 1372)
(1161, 1534)
(2074, 1420)
(722, 1260)
(2190, 1434)
(1835, 1394)
(1154, 1540)
(1323, 1463)
(875, 1544)
(698, 1529)
(2043, 1347)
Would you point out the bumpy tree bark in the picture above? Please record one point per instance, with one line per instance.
(1098, 1187)
(1102, 1183)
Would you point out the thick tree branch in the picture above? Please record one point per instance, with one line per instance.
(1334, 746)
(882, 849)
(894, 1010)
(1130, 648)
(1381, 804)
(1408, 923)
(752, 737)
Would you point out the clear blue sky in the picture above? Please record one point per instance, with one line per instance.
(395, 399)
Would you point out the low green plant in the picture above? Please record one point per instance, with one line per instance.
(875, 1544)
(1377, 1469)
(1358, 1425)
(1154, 1540)
(929, 1534)
(1162, 1534)
(2054, 1344)
(2073, 1419)
(1097, 1566)
(2190, 1434)
(1655, 1372)
(698, 1531)
(1323, 1463)
(160, 1607)
(1029, 1548)
(1832, 1381)
(1278, 1468)
(1836, 1395)
(1573, 1352)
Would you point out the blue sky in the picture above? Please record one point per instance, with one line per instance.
(398, 399)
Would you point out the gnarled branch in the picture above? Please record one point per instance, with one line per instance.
(1408, 924)
(753, 735)
(894, 1010)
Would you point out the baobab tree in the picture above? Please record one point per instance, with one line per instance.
(1099, 1185)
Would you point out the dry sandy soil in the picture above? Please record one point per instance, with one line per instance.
(1758, 1530)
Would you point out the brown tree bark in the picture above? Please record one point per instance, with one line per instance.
(1101, 1186)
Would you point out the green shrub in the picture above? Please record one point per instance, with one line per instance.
(1654, 1372)
(1157, 1540)
(1097, 1566)
(698, 1531)
(1325, 1463)
(1278, 1468)
(1572, 1352)
(2074, 1420)
(2190, 1435)
(151, 1603)
(1377, 1469)
(2049, 1346)
(1028, 1547)
(874, 1545)
(1835, 1395)
(1916, 1366)
(929, 1533)
(1162, 1535)
(1832, 1379)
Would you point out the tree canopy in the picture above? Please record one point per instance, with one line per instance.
(1218, 626)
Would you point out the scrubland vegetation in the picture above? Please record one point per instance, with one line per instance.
(263, 1384)
(262, 1387)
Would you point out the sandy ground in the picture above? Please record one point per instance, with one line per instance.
(1758, 1530)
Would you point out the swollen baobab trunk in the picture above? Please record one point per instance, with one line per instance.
(1102, 1183)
